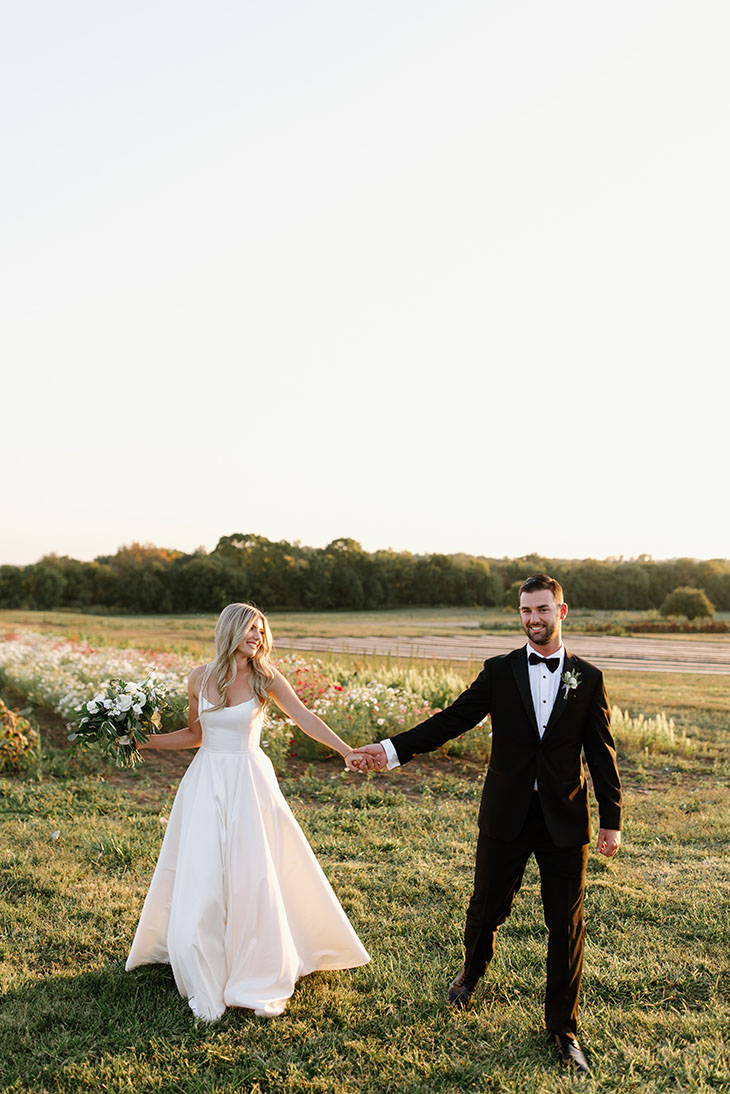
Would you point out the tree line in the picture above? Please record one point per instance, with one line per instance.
(281, 575)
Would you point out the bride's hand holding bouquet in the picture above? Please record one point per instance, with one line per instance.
(120, 718)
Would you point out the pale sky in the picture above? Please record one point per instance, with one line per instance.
(439, 275)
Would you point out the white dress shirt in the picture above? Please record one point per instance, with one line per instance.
(544, 686)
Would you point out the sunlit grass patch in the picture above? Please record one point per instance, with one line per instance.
(654, 733)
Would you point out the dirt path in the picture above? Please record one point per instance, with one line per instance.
(605, 651)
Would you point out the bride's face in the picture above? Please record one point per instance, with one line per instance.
(254, 638)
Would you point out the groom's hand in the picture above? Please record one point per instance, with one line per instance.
(376, 754)
(609, 841)
(360, 762)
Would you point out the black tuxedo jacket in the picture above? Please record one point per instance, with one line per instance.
(578, 724)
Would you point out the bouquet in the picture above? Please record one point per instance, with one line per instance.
(115, 719)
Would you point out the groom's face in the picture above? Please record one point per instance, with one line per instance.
(542, 616)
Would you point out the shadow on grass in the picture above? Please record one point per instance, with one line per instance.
(66, 1019)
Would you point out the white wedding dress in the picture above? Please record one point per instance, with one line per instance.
(238, 903)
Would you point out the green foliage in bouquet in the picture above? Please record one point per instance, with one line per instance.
(19, 743)
(115, 719)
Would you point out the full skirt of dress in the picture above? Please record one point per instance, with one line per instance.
(238, 904)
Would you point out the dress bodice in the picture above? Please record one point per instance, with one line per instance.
(230, 729)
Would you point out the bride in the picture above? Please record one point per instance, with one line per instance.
(238, 904)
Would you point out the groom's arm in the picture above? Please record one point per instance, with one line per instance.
(463, 714)
(600, 752)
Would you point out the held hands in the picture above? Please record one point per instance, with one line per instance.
(356, 762)
(374, 755)
(366, 758)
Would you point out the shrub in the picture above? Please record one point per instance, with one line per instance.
(688, 602)
(19, 743)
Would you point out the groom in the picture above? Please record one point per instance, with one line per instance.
(547, 706)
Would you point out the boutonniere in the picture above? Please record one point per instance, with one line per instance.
(570, 679)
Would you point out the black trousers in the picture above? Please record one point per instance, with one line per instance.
(500, 866)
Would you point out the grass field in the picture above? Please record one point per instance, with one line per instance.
(194, 633)
(398, 849)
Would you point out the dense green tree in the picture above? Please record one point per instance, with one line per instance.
(714, 577)
(11, 587)
(43, 586)
(271, 568)
(346, 563)
(374, 592)
(395, 573)
(104, 584)
(511, 597)
(692, 603)
(589, 584)
(78, 577)
(147, 589)
(630, 587)
(204, 584)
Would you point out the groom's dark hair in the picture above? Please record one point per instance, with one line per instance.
(542, 581)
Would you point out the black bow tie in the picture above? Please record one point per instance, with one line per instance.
(550, 663)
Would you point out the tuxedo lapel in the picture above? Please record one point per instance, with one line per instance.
(519, 667)
(561, 703)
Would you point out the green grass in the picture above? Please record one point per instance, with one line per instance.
(655, 1010)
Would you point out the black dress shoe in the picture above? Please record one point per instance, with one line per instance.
(460, 991)
(570, 1052)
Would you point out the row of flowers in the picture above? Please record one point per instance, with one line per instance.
(77, 682)
(62, 676)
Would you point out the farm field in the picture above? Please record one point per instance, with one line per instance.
(450, 635)
(80, 840)
(196, 631)
(606, 651)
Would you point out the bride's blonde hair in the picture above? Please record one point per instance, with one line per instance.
(234, 623)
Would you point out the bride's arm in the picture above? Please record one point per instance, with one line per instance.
(182, 738)
(286, 698)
